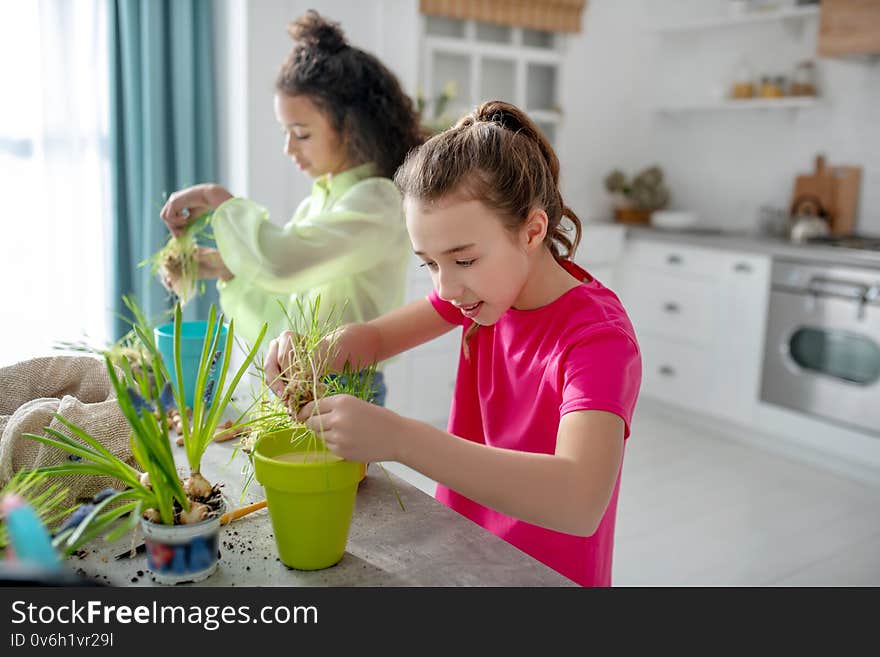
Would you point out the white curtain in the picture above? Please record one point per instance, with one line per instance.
(54, 175)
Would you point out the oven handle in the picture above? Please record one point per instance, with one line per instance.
(843, 289)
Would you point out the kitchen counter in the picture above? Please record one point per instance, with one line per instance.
(428, 544)
(752, 242)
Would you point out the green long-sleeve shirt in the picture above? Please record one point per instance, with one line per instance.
(347, 243)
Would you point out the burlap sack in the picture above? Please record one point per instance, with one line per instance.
(79, 390)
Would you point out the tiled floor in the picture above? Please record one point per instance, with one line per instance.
(698, 508)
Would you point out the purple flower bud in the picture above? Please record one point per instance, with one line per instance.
(76, 517)
(139, 402)
(166, 397)
(209, 392)
(214, 363)
(103, 494)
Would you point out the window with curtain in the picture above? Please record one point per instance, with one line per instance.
(54, 176)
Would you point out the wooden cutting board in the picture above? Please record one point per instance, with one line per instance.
(836, 190)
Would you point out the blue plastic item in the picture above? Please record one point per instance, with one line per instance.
(29, 538)
(192, 338)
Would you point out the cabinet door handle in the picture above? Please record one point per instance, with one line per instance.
(667, 370)
(742, 267)
(671, 307)
(674, 259)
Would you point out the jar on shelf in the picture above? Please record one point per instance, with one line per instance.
(771, 86)
(803, 80)
(743, 83)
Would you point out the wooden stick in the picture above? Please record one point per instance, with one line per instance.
(235, 514)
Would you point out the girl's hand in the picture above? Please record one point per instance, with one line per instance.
(279, 360)
(211, 264)
(188, 204)
(349, 343)
(355, 429)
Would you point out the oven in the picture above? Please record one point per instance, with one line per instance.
(822, 348)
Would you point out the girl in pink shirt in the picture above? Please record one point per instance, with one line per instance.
(549, 368)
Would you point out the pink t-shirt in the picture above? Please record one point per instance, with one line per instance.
(524, 373)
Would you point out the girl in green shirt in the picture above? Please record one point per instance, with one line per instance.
(347, 124)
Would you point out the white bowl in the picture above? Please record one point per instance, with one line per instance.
(673, 218)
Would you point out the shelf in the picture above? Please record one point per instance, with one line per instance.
(745, 19)
(751, 104)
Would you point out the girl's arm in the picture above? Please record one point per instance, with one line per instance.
(567, 491)
(386, 336)
(353, 236)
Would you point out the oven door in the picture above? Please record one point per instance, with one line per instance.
(822, 356)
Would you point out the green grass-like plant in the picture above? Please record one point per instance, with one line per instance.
(127, 348)
(307, 379)
(48, 502)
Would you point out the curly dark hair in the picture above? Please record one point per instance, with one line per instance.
(361, 97)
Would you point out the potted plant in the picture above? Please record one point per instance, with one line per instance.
(440, 118)
(635, 199)
(180, 518)
(310, 491)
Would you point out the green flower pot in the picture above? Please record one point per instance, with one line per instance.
(310, 494)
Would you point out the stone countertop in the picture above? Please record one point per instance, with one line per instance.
(756, 243)
(428, 544)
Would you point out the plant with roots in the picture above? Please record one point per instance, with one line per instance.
(176, 263)
(309, 377)
(155, 492)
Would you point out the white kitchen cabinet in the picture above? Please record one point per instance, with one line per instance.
(699, 317)
(744, 286)
(600, 248)
(675, 372)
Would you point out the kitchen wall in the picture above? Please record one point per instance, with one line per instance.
(723, 164)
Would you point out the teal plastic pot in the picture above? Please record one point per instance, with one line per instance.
(192, 339)
(310, 501)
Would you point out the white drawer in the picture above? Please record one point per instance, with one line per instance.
(669, 306)
(675, 373)
(672, 258)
